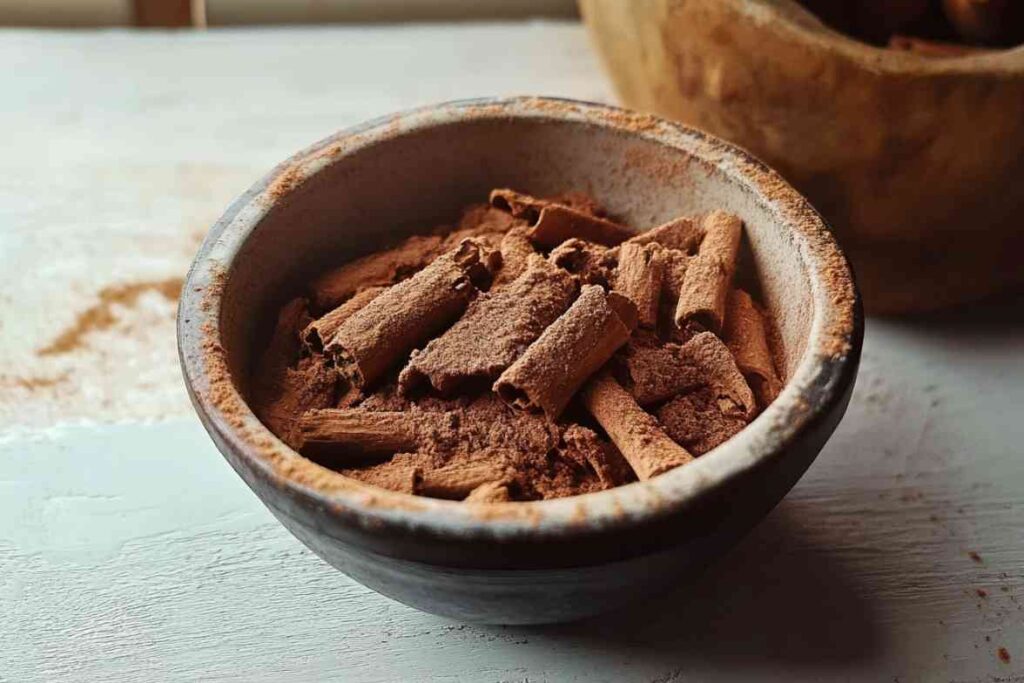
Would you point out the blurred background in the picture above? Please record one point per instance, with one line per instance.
(201, 13)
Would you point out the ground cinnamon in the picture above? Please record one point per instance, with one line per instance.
(284, 385)
(698, 422)
(462, 364)
(496, 329)
(374, 270)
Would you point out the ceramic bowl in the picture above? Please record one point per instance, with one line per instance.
(916, 162)
(543, 561)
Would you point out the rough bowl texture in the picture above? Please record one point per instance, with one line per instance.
(517, 562)
(917, 163)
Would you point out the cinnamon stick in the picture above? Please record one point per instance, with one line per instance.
(379, 335)
(552, 223)
(381, 268)
(326, 326)
(358, 433)
(702, 298)
(489, 492)
(458, 480)
(681, 233)
(639, 277)
(516, 250)
(393, 475)
(496, 329)
(746, 334)
(590, 262)
(554, 367)
(676, 263)
(636, 433)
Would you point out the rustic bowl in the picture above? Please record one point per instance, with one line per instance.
(917, 163)
(516, 562)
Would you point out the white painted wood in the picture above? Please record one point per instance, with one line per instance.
(130, 551)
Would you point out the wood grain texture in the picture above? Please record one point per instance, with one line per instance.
(129, 550)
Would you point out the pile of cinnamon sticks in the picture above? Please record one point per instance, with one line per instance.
(538, 349)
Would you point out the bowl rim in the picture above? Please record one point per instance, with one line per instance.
(824, 374)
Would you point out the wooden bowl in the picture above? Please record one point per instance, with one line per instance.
(917, 163)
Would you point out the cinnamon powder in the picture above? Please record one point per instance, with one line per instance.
(364, 378)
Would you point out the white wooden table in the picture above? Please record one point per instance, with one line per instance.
(130, 551)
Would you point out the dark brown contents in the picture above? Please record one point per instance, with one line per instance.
(929, 28)
(698, 421)
(538, 349)
(383, 332)
(497, 327)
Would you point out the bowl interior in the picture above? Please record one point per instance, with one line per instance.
(332, 203)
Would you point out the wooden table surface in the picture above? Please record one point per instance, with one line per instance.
(129, 550)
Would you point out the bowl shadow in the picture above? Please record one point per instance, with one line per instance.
(776, 598)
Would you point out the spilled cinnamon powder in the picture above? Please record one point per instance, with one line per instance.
(102, 315)
(537, 349)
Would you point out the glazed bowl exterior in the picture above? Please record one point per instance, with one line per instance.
(544, 561)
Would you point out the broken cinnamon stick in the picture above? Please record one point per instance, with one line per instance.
(381, 268)
(681, 233)
(389, 475)
(580, 341)
(702, 298)
(516, 250)
(639, 277)
(458, 480)
(363, 433)
(495, 330)
(590, 262)
(490, 492)
(636, 433)
(746, 334)
(585, 448)
(552, 223)
(326, 326)
(380, 334)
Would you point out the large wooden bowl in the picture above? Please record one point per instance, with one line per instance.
(918, 163)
